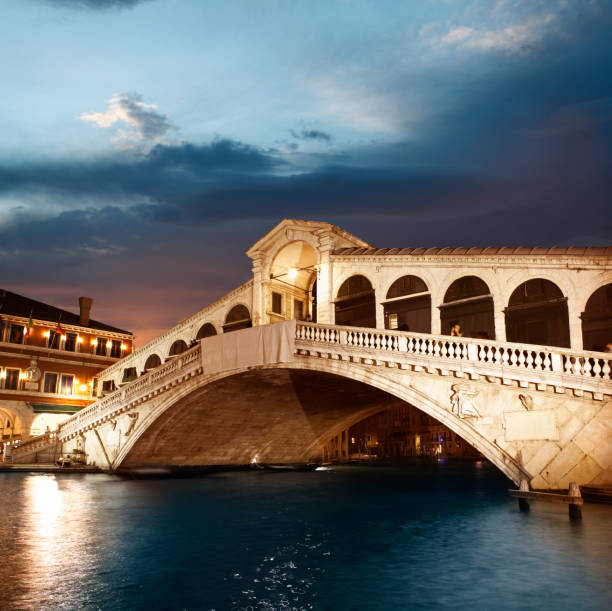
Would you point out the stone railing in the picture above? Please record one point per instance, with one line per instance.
(151, 383)
(524, 363)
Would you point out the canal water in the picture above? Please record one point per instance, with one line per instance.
(423, 536)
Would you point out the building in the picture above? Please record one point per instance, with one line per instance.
(49, 360)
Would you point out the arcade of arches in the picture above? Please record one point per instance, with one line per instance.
(536, 312)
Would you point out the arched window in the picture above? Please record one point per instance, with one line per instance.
(237, 318)
(129, 374)
(152, 362)
(177, 347)
(597, 320)
(356, 303)
(468, 302)
(206, 330)
(537, 314)
(408, 305)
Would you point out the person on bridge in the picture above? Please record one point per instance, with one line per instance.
(456, 330)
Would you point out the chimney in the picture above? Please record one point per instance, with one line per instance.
(85, 307)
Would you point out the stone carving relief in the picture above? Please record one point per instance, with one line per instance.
(134, 417)
(526, 401)
(462, 402)
(33, 373)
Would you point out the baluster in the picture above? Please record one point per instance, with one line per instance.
(529, 361)
(577, 369)
(521, 358)
(538, 361)
(606, 369)
(547, 363)
(597, 369)
(587, 367)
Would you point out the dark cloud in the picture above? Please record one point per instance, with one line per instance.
(312, 134)
(97, 5)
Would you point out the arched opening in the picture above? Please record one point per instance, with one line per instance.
(355, 303)
(129, 374)
(10, 426)
(468, 302)
(293, 274)
(537, 314)
(597, 320)
(178, 347)
(408, 305)
(399, 434)
(152, 362)
(206, 330)
(237, 318)
(47, 422)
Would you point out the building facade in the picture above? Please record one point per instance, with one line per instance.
(49, 362)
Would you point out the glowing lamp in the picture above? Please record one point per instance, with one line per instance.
(46, 334)
(22, 375)
(94, 342)
(292, 273)
(123, 346)
(79, 340)
(83, 387)
(109, 343)
(3, 374)
(63, 337)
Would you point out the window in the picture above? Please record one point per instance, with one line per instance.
(11, 381)
(66, 383)
(116, 348)
(298, 309)
(108, 386)
(101, 347)
(16, 334)
(54, 340)
(50, 382)
(277, 303)
(71, 340)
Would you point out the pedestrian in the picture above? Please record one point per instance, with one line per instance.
(456, 330)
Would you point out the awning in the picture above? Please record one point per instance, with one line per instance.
(54, 408)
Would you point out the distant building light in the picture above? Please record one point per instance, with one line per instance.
(46, 333)
(109, 343)
(83, 387)
(94, 342)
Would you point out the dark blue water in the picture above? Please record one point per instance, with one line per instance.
(428, 536)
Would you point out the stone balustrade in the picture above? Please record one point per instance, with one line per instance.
(545, 367)
(560, 368)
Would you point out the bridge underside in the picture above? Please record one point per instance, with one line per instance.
(271, 415)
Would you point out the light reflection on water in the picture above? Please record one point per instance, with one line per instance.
(416, 537)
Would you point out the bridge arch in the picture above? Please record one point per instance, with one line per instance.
(355, 303)
(407, 305)
(153, 361)
(178, 347)
(239, 317)
(350, 410)
(537, 313)
(597, 319)
(468, 300)
(206, 330)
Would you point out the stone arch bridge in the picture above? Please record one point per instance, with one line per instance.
(536, 412)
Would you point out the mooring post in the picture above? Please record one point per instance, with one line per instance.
(575, 513)
(523, 503)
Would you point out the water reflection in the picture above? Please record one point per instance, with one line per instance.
(437, 536)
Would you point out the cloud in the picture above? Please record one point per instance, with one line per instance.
(457, 35)
(143, 120)
(312, 134)
(97, 5)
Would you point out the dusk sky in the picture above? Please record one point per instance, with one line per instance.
(146, 144)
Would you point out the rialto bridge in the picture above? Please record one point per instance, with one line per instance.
(528, 384)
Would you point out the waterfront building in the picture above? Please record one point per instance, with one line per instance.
(49, 362)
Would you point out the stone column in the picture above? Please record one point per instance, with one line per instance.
(499, 319)
(258, 305)
(325, 307)
(575, 324)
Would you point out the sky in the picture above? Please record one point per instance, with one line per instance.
(146, 144)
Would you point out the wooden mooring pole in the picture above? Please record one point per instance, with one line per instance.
(573, 498)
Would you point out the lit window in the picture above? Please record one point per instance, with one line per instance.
(11, 382)
(16, 334)
(50, 382)
(101, 347)
(115, 350)
(70, 343)
(54, 340)
(66, 384)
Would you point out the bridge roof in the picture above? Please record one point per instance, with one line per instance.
(591, 251)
